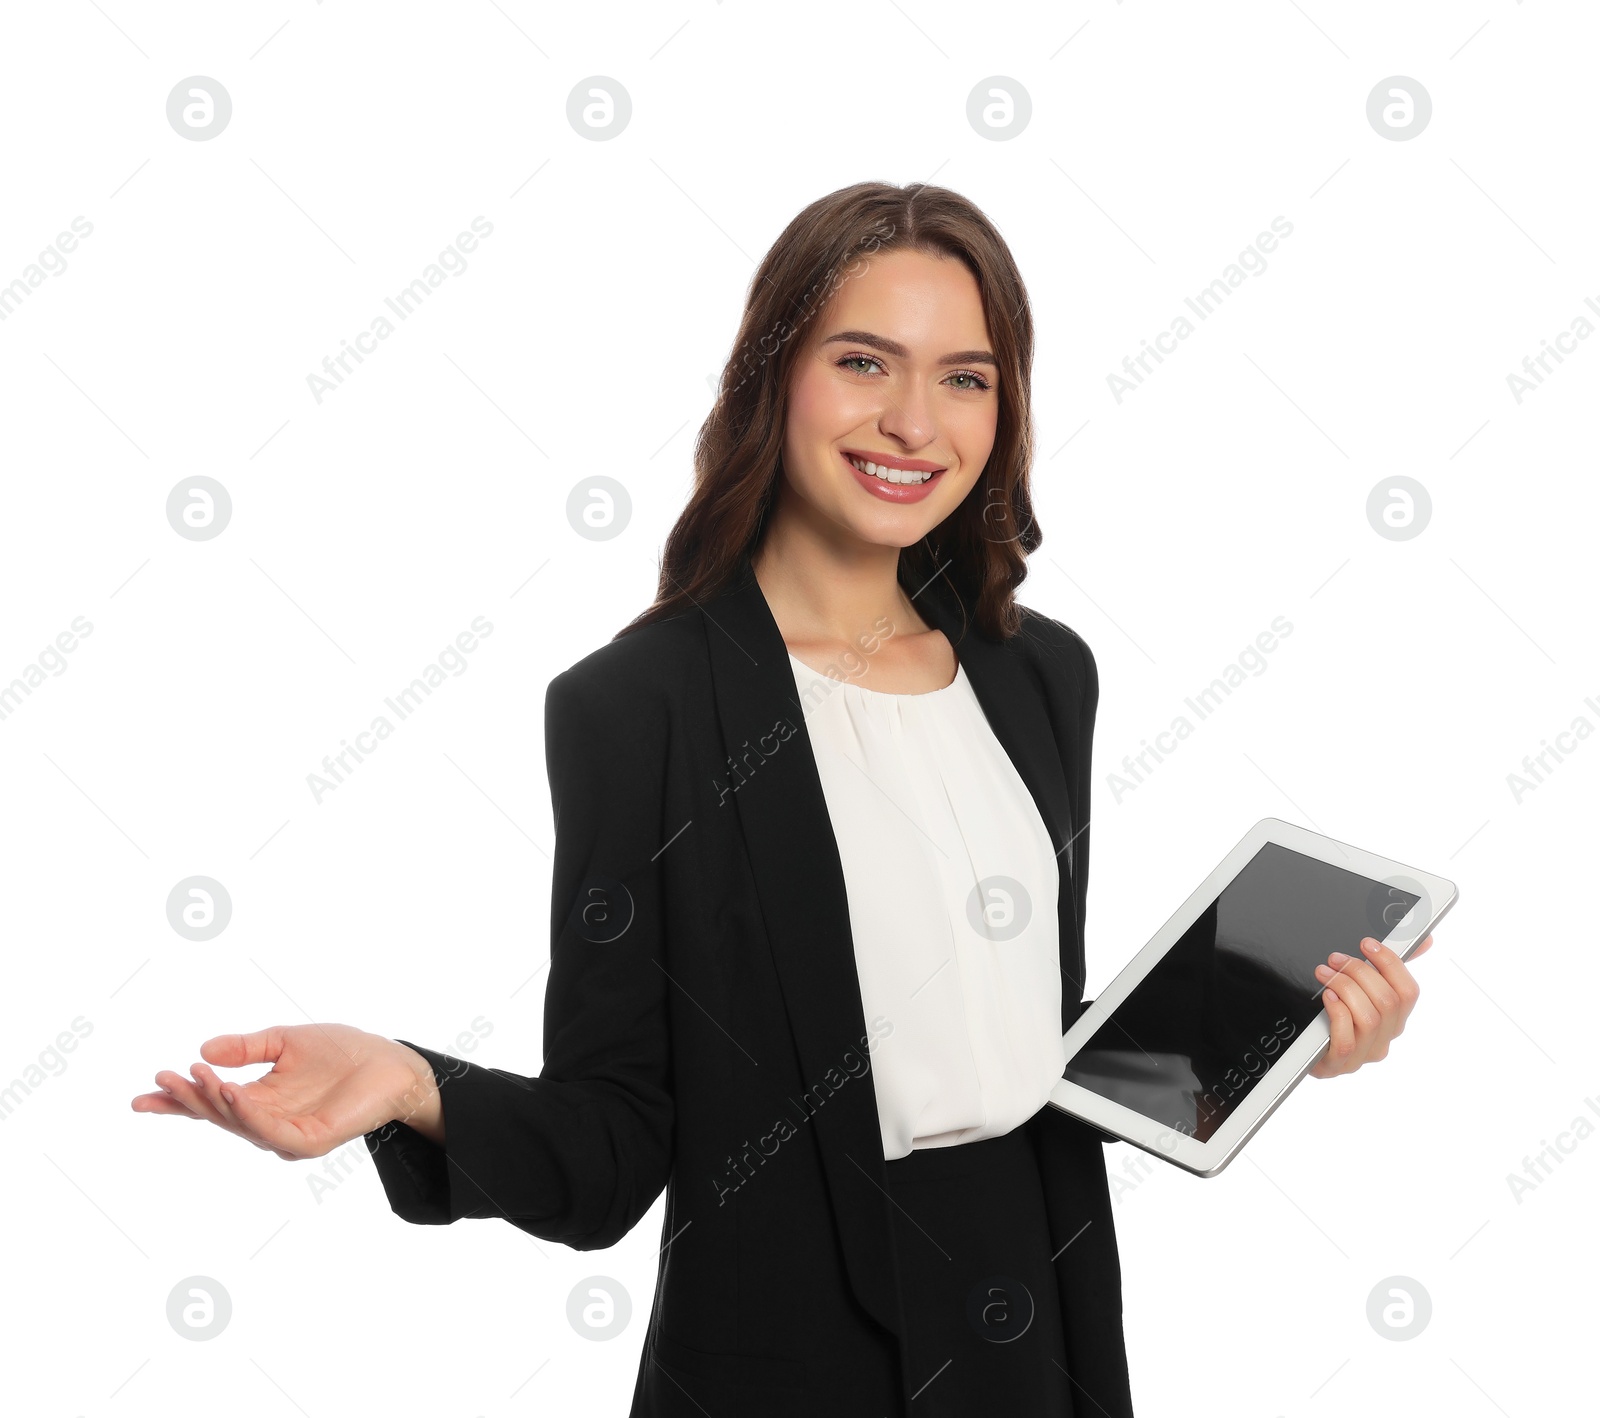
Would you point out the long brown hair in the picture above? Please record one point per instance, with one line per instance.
(981, 547)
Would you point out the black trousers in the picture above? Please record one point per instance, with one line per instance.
(983, 1314)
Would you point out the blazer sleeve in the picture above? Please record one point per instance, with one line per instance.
(579, 1153)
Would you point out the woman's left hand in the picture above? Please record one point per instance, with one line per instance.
(1371, 999)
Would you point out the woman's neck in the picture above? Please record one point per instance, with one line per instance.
(824, 593)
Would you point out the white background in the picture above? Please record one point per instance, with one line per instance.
(370, 528)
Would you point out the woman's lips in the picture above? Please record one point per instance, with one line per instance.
(892, 492)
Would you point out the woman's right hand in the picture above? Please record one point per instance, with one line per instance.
(329, 1083)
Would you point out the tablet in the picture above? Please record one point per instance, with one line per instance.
(1191, 1048)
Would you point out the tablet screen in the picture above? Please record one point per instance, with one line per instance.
(1197, 1033)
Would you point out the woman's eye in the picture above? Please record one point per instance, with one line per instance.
(849, 360)
(978, 381)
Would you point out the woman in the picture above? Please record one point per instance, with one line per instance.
(822, 849)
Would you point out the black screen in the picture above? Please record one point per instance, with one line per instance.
(1217, 1011)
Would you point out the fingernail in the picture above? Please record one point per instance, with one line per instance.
(1323, 973)
(1339, 959)
(1329, 996)
(1371, 946)
(227, 1096)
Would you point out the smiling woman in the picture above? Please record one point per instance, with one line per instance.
(834, 773)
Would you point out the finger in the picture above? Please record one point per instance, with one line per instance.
(190, 1094)
(211, 1084)
(1393, 969)
(1362, 1011)
(236, 1050)
(1341, 1031)
(1376, 983)
(165, 1096)
(161, 1103)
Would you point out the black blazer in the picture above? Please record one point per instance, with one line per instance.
(704, 1030)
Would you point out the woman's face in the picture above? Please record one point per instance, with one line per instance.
(898, 373)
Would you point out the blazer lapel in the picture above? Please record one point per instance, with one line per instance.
(799, 878)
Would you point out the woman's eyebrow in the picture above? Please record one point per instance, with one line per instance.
(899, 351)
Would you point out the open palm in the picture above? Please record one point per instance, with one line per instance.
(329, 1083)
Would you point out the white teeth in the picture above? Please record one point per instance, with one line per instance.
(889, 475)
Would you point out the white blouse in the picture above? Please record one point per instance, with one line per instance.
(928, 810)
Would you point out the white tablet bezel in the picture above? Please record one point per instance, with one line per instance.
(1206, 1159)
